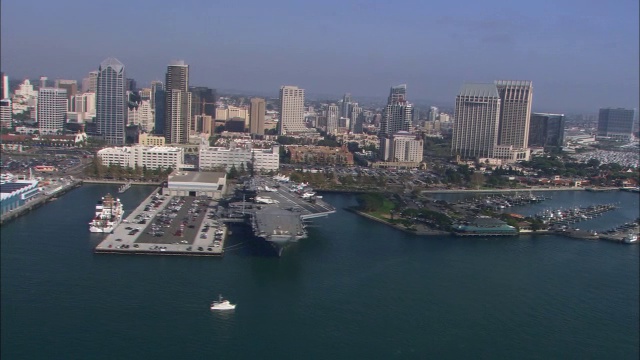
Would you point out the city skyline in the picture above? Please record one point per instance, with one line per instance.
(580, 57)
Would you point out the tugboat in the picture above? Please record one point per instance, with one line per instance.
(222, 304)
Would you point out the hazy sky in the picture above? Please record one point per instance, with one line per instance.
(580, 54)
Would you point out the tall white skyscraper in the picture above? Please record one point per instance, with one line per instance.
(477, 121)
(515, 112)
(178, 104)
(333, 114)
(397, 115)
(111, 102)
(291, 110)
(52, 109)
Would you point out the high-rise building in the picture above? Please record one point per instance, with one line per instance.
(258, 110)
(90, 83)
(131, 85)
(616, 123)
(52, 110)
(43, 82)
(158, 105)
(355, 114)
(111, 101)
(333, 114)
(142, 116)
(433, 113)
(515, 112)
(203, 101)
(5, 113)
(477, 121)
(4, 86)
(398, 113)
(72, 88)
(346, 106)
(291, 110)
(178, 104)
(546, 130)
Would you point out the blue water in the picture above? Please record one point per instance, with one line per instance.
(354, 289)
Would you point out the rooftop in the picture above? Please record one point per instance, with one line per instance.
(196, 176)
(479, 90)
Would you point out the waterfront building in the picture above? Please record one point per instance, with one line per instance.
(333, 114)
(196, 183)
(227, 157)
(616, 123)
(150, 140)
(52, 110)
(177, 104)
(15, 193)
(398, 112)
(258, 110)
(151, 157)
(515, 112)
(111, 102)
(477, 120)
(291, 110)
(546, 130)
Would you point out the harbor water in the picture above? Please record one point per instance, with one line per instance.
(354, 289)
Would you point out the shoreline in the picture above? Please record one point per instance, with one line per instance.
(112, 182)
(401, 228)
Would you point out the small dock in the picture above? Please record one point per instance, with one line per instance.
(165, 225)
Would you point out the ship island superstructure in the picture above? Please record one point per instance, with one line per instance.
(108, 214)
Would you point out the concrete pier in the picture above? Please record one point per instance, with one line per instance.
(191, 228)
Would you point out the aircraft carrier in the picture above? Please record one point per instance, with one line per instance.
(276, 209)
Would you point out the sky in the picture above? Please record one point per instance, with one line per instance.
(580, 54)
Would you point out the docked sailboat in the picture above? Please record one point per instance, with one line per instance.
(124, 187)
(109, 213)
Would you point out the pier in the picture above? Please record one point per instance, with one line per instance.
(39, 200)
(169, 225)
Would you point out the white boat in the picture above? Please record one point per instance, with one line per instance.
(222, 304)
(631, 238)
(109, 213)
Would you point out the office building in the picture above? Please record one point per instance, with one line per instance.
(151, 157)
(158, 105)
(52, 110)
(72, 88)
(141, 115)
(616, 123)
(111, 102)
(258, 110)
(515, 112)
(398, 113)
(177, 104)
(5, 113)
(291, 110)
(203, 101)
(546, 130)
(216, 157)
(402, 147)
(433, 113)
(150, 140)
(346, 106)
(477, 120)
(90, 83)
(333, 114)
(355, 116)
(4, 86)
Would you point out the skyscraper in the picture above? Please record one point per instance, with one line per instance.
(111, 101)
(333, 114)
(477, 121)
(258, 109)
(291, 110)
(203, 102)
(72, 88)
(177, 104)
(546, 130)
(52, 110)
(4, 86)
(616, 123)
(398, 113)
(433, 113)
(355, 115)
(158, 106)
(515, 112)
(93, 82)
(346, 106)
